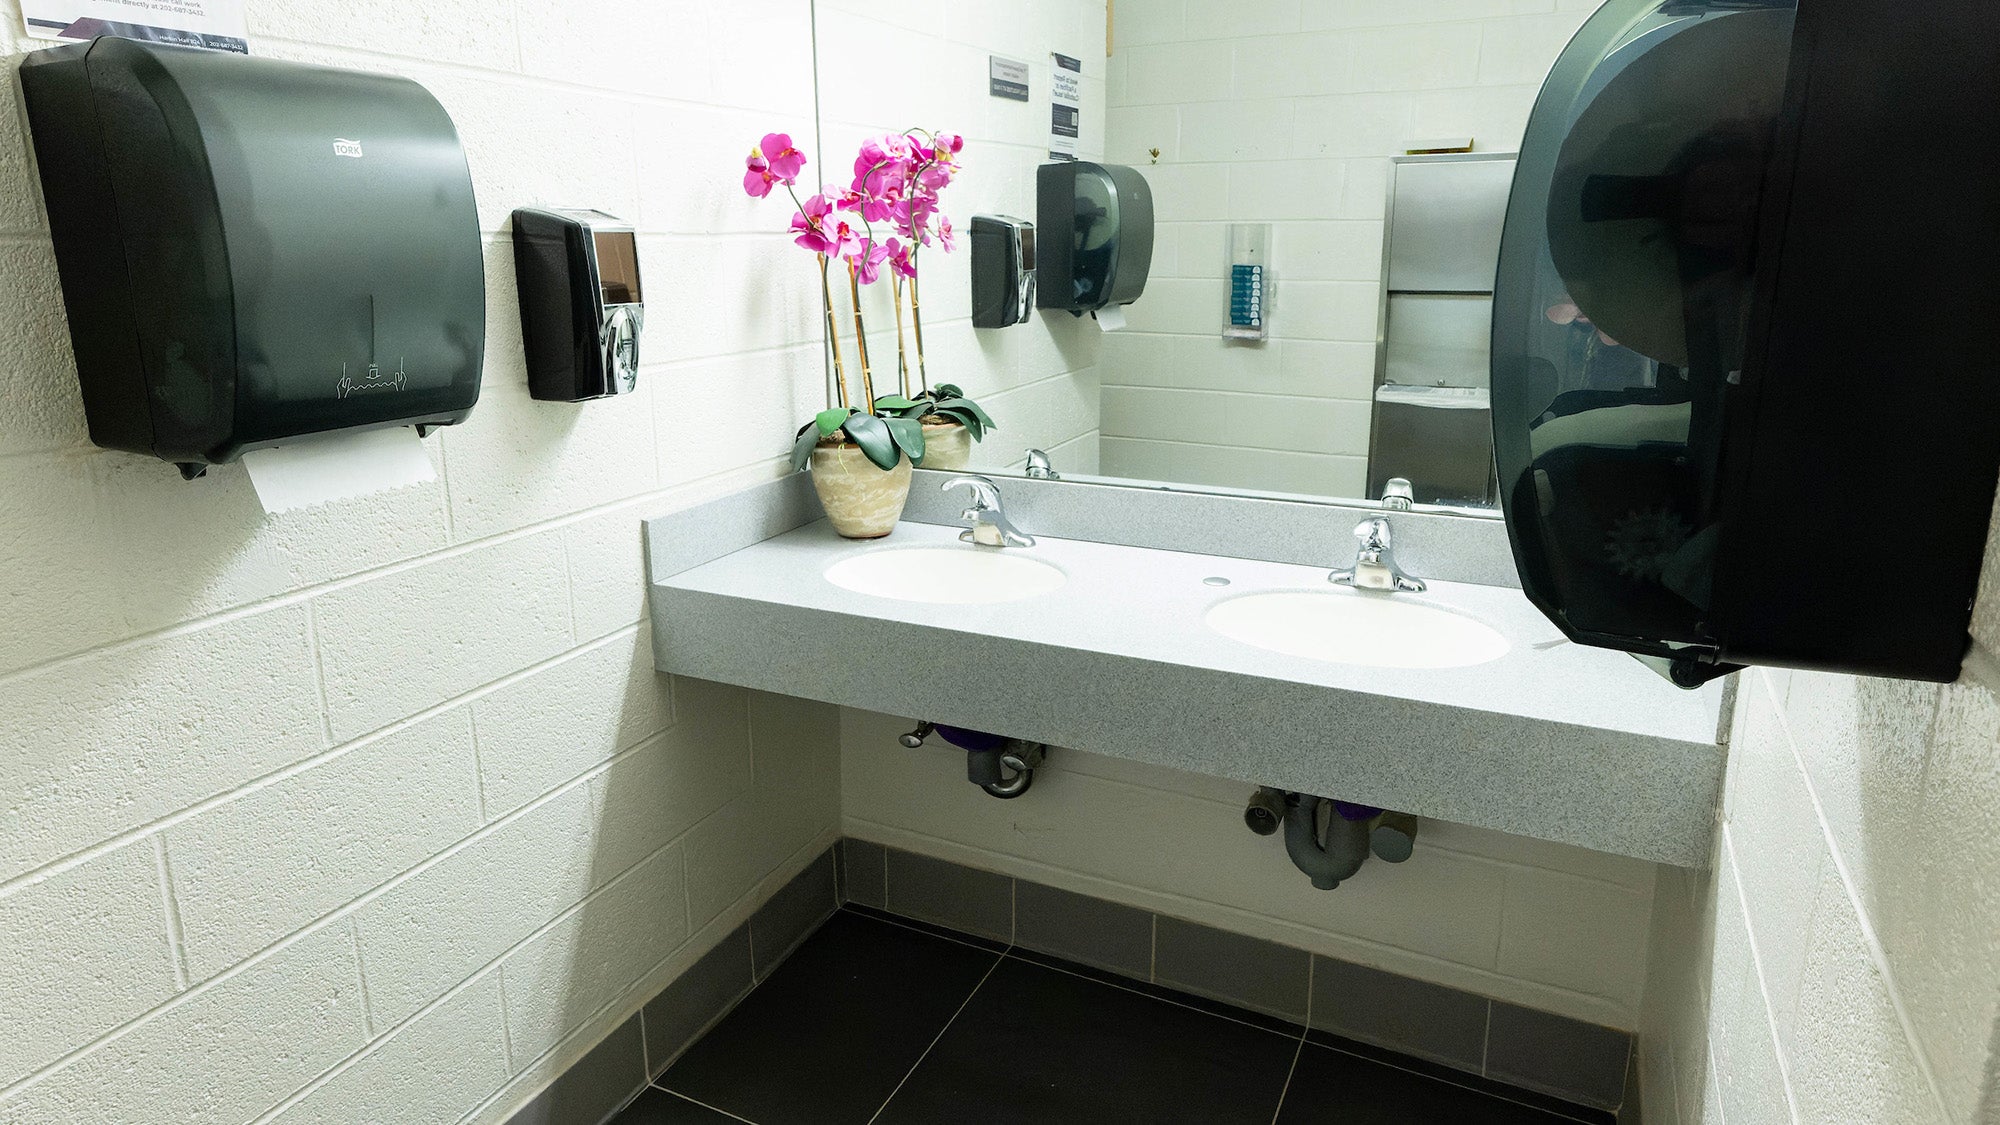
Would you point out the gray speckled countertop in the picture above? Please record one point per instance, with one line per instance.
(1551, 740)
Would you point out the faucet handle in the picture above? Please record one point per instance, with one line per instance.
(1372, 532)
(985, 494)
(1039, 466)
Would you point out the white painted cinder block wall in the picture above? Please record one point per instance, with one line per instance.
(888, 65)
(1286, 112)
(378, 811)
(1839, 961)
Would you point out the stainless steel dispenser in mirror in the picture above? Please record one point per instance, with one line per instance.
(251, 250)
(1745, 400)
(1431, 422)
(1003, 270)
(581, 304)
(1096, 228)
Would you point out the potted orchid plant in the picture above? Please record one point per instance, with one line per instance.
(861, 451)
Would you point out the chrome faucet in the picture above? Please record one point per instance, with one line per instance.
(1397, 495)
(1039, 467)
(1374, 567)
(990, 525)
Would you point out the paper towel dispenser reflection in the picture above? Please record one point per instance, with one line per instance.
(581, 310)
(252, 251)
(1096, 227)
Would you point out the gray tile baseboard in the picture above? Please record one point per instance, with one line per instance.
(614, 1072)
(1566, 1058)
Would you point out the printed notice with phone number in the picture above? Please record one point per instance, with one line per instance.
(214, 24)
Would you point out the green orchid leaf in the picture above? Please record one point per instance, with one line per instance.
(985, 419)
(802, 447)
(831, 420)
(909, 433)
(948, 390)
(873, 436)
(967, 405)
(965, 418)
(894, 402)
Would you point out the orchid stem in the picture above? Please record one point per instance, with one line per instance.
(832, 334)
(902, 361)
(917, 321)
(861, 339)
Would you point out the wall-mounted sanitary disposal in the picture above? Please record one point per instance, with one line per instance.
(253, 251)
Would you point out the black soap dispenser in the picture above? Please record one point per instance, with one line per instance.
(581, 305)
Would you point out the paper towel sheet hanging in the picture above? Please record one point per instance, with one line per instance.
(336, 467)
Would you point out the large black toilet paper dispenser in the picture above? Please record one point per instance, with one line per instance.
(1746, 379)
(253, 250)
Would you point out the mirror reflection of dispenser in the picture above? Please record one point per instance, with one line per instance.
(581, 305)
(1096, 223)
(1003, 270)
(1249, 281)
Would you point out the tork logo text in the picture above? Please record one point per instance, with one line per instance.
(344, 147)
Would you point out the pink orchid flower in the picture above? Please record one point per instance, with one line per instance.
(912, 216)
(881, 162)
(946, 238)
(809, 224)
(899, 258)
(882, 207)
(757, 177)
(867, 259)
(786, 161)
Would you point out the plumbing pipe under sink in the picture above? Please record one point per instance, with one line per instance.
(1345, 848)
(1003, 767)
(1353, 832)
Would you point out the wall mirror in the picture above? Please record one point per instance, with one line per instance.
(1273, 133)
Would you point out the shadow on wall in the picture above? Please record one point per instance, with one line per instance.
(688, 828)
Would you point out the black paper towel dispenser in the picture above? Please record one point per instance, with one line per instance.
(1094, 230)
(253, 250)
(1746, 399)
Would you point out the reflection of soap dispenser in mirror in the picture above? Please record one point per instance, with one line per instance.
(578, 275)
(1249, 281)
(1003, 270)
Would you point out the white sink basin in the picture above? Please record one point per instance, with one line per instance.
(1349, 627)
(946, 575)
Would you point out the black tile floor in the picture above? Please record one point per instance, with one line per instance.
(879, 1020)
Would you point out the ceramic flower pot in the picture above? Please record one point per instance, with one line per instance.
(862, 501)
(947, 445)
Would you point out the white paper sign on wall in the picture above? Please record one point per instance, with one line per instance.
(215, 24)
(1065, 107)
